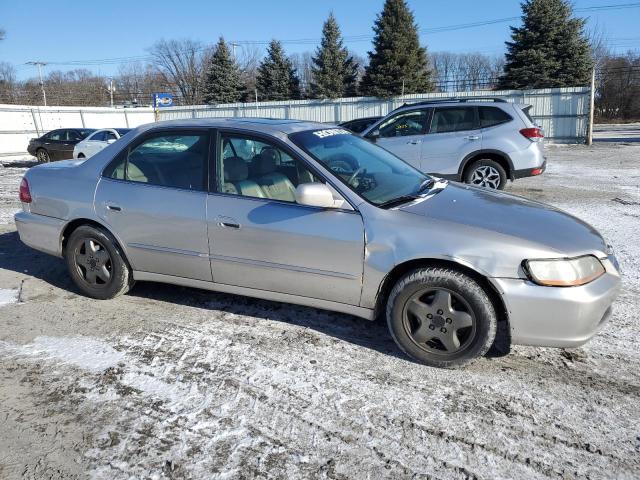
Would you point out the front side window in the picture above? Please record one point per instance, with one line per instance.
(98, 137)
(404, 124)
(453, 119)
(371, 171)
(491, 116)
(255, 168)
(168, 160)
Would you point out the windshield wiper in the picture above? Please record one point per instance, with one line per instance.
(399, 200)
(425, 185)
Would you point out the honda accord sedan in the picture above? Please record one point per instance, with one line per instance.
(265, 208)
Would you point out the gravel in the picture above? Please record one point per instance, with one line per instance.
(169, 382)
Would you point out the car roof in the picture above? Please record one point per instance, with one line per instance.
(263, 125)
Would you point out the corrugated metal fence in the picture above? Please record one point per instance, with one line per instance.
(20, 123)
(562, 112)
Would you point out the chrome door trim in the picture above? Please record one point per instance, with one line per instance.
(176, 251)
(281, 266)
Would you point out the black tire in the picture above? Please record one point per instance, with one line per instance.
(43, 156)
(486, 173)
(413, 308)
(88, 250)
(81, 155)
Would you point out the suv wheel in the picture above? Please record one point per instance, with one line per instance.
(486, 173)
(441, 317)
(96, 264)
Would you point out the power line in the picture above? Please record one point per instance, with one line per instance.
(346, 39)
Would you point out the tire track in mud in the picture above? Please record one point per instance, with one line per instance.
(190, 358)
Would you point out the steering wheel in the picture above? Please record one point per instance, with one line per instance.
(355, 175)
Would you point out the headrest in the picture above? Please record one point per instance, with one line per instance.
(266, 162)
(235, 169)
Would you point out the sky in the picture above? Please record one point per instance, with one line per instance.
(65, 32)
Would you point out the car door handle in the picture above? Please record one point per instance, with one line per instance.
(472, 137)
(114, 208)
(414, 142)
(228, 222)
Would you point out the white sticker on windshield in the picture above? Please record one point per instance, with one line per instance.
(330, 132)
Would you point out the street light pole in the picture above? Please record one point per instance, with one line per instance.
(40, 65)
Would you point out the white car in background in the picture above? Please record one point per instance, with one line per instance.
(97, 141)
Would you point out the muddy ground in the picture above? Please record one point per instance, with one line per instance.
(169, 382)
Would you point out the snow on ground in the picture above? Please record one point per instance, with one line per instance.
(168, 382)
(11, 172)
(8, 296)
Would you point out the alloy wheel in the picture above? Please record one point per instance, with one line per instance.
(439, 321)
(486, 176)
(43, 156)
(93, 262)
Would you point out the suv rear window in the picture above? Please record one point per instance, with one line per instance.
(491, 116)
(453, 119)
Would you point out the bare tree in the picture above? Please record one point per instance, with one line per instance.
(180, 62)
(618, 91)
(302, 62)
(248, 57)
(7, 83)
(136, 83)
(457, 72)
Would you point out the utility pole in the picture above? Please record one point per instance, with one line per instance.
(111, 90)
(234, 45)
(592, 97)
(40, 65)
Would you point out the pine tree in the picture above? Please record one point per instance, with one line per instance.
(335, 72)
(550, 49)
(223, 81)
(397, 56)
(277, 79)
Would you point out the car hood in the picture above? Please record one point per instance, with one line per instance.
(511, 215)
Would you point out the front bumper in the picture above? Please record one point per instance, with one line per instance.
(557, 316)
(40, 232)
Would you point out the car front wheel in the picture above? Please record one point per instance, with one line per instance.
(441, 317)
(486, 173)
(96, 263)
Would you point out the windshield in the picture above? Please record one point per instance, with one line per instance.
(370, 171)
(85, 132)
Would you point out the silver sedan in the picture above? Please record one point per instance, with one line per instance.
(300, 212)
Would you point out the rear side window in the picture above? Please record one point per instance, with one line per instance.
(176, 160)
(453, 119)
(491, 116)
(57, 135)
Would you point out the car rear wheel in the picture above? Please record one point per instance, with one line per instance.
(81, 155)
(486, 173)
(441, 317)
(42, 155)
(96, 263)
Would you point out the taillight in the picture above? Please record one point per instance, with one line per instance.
(25, 194)
(534, 134)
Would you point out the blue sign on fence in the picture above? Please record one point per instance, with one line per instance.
(162, 100)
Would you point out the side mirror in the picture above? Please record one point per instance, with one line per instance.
(314, 195)
(111, 140)
(373, 135)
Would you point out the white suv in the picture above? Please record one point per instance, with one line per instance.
(481, 141)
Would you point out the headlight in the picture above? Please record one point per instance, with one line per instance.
(564, 272)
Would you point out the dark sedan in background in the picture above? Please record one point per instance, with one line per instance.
(57, 144)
